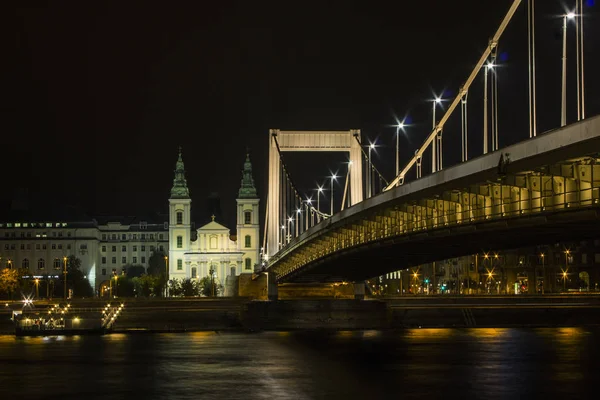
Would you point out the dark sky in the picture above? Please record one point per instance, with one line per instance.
(105, 92)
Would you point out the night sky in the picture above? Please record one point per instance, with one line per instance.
(105, 92)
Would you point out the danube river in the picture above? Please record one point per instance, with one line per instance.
(559, 363)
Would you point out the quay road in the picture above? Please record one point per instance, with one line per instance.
(494, 301)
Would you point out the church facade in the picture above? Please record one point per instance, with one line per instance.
(212, 250)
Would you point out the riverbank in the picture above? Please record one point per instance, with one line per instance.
(239, 314)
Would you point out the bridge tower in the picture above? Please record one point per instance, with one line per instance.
(287, 141)
(247, 220)
(180, 208)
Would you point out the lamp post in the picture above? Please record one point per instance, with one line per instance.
(435, 101)
(333, 177)
(37, 288)
(543, 273)
(65, 277)
(563, 110)
(567, 252)
(398, 127)
(319, 190)
(289, 230)
(370, 172)
(212, 280)
(166, 276)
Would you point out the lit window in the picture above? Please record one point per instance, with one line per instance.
(41, 263)
(57, 263)
(25, 263)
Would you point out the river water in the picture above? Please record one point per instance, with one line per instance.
(421, 363)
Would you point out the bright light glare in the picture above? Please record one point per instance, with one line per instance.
(290, 219)
(401, 125)
(334, 176)
(490, 65)
(372, 145)
(438, 100)
(571, 15)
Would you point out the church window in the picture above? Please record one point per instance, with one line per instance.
(179, 242)
(247, 241)
(194, 272)
(247, 217)
(25, 263)
(179, 218)
(179, 265)
(41, 263)
(248, 263)
(57, 263)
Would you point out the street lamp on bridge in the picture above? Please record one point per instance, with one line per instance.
(333, 177)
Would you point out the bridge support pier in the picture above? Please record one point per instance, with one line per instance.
(359, 290)
(272, 292)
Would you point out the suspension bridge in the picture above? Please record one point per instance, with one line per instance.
(536, 191)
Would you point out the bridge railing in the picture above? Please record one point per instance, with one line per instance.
(529, 194)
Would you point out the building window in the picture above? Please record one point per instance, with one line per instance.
(53, 246)
(123, 248)
(143, 248)
(60, 234)
(134, 236)
(28, 234)
(194, 272)
(124, 260)
(143, 260)
(28, 246)
(103, 260)
(41, 263)
(56, 264)
(151, 248)
(247, 241)
(83, 246)
(179, 265)
(113, 260)
(135, 260)
(161, 248)
(37, 247)
(160, 236)
(104, 236)
(22, 246)
(248, 263)
(103, 271)
(12, 247)
(25, 263)
(123, 236)
(113, 236)
(179, 242)
(6, 247)
(151, 236)
(247, 217)
(165, 225)
(68, 247)
(114, 248)
(143, 236)
(44, 247)
(179, 218)
(104, 249)
(134, 248)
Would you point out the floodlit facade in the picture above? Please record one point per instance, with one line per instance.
(212, 250)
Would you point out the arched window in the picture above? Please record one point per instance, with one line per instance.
(248, 263)
(247, 241)
(247, 217)
(25, 263)
(194, 272)
(56, 263)
(41, 263)
(179, 218)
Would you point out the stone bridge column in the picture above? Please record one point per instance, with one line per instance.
(359, 290)
(272, 293)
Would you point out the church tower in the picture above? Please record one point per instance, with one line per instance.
(247, 220)
(180, 208)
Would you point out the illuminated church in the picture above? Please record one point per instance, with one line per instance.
(212, 249)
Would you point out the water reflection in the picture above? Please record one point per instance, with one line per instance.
(417, 363)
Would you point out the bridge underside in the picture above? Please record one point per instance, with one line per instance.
(539, 206)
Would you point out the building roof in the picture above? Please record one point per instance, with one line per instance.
(213, 226)
(247, 189)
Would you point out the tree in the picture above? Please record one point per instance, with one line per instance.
(189, 287)
(205, 287)
(76, 280)
(157, 264)
(134, 271)
(147, 285)
(9, 281)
